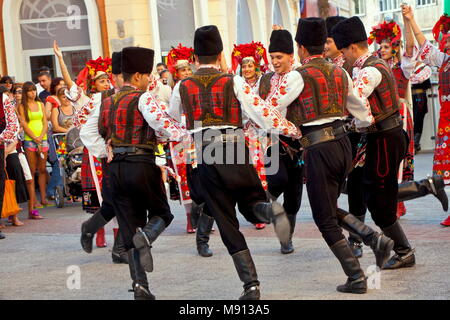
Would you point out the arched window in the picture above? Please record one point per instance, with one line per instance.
(176, 23)
(244, 23)
(42, 21)
(277, 17)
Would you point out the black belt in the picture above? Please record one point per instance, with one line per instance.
(132, 150)
(322, 135)
(386, 124)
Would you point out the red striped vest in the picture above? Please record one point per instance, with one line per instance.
(384, 99)
(401, 81)
(123, 123)
(208, 96)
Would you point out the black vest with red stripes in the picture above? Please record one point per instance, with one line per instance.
(384, 100)
(122, 122)
(208, 96)
(324, 94)
(401, 81)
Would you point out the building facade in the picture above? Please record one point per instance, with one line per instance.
(87, 29)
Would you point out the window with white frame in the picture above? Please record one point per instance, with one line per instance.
(425, 2)
(244, 23)
(389, 5)
(360, 7)
(176, 23)
(42, 21)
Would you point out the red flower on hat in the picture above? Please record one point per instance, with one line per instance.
(85, 78)
(441, 27)
(386, 31)
(179, 53)
(255, 50)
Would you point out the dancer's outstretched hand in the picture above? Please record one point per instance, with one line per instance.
(407, 12)
(57, 50)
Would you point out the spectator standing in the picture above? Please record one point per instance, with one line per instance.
(34, 122)
(45, 80)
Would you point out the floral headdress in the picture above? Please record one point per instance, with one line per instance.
(254, 50)
(440, 30)
(179, 53)
(93, 70)
(390, 31)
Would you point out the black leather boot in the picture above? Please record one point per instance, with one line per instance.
(413, 189)
(144, 238)
(379, 243)
(356, 281)
(268, 212)
(404, 255)
(119, 253)
(140, 283)
(247, 273)
(196, 211)
(204, 227)
(289, 247)
(417, 146)
(355, 240)
(89, 228)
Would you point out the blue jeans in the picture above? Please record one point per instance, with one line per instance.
(55, 177)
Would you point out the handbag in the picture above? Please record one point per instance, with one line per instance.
(10, 206)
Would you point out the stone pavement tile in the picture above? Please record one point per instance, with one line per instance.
(37, 269)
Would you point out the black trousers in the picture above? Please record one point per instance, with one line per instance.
(356, 199)
(195, 188)
(224, 186)
(327, 165)
(137, 194)
(384, 154)
(106, 209)
(420, 109)
(288, 181)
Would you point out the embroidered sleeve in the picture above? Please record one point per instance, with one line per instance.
(422, 75)
(76, 95)
(287, 89)
(155, 113)
(431, 55)
(365, 81)
(12, 123)
(262, 113)
(357, 106)
(175, 103)
(81, 115)
(90, 136)
(408, 65)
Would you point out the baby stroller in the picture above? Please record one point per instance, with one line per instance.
(69, 151)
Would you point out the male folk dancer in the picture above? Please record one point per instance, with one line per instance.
(319, 94)
(133, 121)
(215, 100)
(106, 212)
(386, 141)
(289, 177)
(180, 62)
(356, 199)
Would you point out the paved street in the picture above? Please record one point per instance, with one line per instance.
(35, 258)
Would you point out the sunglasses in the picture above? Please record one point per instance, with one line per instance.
(18, 92)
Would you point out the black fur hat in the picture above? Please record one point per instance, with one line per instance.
(136, 59)
(311, 32)
(348, 31)
(117, 62)
(331, 22)
(207, 41)
(281, 41)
